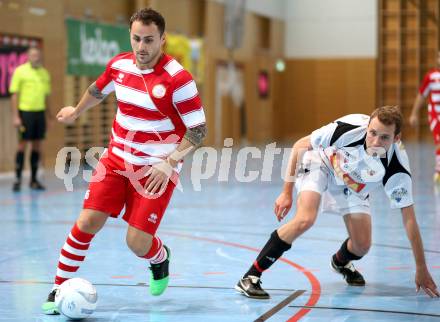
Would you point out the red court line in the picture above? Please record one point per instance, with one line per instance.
(398, 268)
(316, 286)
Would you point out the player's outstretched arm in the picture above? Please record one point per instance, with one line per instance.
(423, 278)
(284, 201)
(90, 98)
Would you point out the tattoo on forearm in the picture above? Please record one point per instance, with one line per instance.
(196, 134)
(95, 92)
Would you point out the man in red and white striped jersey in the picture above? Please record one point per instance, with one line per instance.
(430, 88)
(159, 119)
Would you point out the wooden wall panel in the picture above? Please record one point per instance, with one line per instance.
(298, 97)
(262, 44)
(317, 91)
(408, 35)
(253, 57)
(8, 137)
(182, 16)
(361, 83)
(261, 108)
(110, 11)
(16, 18)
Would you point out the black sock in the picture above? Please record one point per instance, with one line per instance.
(343, 255)
(35, 159)
(19, 162)
(270, 253)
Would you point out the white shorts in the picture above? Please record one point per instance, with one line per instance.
(313, 175)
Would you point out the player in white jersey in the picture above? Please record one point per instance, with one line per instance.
(339, 165)
(159, 120)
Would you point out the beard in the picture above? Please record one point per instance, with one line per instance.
(146, 59)
(143, 59)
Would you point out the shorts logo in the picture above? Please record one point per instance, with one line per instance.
(159, 91)
(86, 196)
(152, 218)
(347, 192)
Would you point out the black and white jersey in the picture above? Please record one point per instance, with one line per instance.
(341, 145)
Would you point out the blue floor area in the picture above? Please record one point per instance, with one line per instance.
(214, 236)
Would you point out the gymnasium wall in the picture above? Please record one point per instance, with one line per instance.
(262, 45)
(45, 19)
(317, 91)
(331, 62)
(272, 9)
(40, 19)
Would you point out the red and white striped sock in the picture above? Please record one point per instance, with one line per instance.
(437, 160)
(72, 254)
(157, 253)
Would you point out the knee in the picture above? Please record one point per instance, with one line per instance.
(89, 224)
(35, 146)
(139, 246)
(21, 146)
(138, 249)
(361, 246)
(304, 223)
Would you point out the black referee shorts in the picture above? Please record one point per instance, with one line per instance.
(33, 125)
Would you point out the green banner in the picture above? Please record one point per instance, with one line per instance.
(91, 45)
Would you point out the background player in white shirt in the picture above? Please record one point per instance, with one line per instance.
(339, 164)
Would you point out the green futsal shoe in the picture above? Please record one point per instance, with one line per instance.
(159, 275)
(49, 306)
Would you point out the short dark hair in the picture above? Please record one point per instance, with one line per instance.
(148, 16)
(389, 115)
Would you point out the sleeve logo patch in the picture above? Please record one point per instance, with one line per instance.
(398, 194)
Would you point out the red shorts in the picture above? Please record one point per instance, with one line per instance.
(109, 191)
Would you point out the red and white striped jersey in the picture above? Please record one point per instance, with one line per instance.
(155, 107)
(431, 88)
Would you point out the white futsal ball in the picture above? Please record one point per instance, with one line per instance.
(76, 298)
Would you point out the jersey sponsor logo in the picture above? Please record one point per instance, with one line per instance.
(152, 218)
(398, 194)
(348, 180)
(159, 91)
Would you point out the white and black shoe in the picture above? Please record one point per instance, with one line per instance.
(251, 287)
(350, 274)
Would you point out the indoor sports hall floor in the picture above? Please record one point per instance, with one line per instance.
(214, 236)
